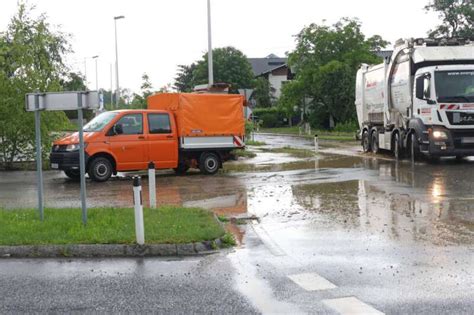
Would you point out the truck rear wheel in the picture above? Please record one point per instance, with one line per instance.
(365, 142)
(375, 142)
(209, 163)
(100, 169)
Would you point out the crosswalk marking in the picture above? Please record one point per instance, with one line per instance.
(312, 281)
(351, 306)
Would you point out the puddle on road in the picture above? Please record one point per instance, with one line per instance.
(430, 202)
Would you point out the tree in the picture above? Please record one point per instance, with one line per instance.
(31, 59)
(326, 59)
(230, 66)
(184, 78)
(73, 82)
(263, 92)
(457, 17)
(139, 100)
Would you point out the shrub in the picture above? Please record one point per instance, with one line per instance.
(348, 126)
(270, 117)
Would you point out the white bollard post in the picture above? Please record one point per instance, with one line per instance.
(137, 200)
(316, 144)
(152, 184)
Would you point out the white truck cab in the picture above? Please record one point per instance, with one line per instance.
(420, 101)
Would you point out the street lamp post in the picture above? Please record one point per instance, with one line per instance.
(117, 94)
(96, 73)
(209, 44)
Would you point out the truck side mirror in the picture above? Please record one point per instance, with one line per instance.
(118, 129)
(426, 88)
(420, 81)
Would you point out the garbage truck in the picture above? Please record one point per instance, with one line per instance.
(177, 131)
(420, 101)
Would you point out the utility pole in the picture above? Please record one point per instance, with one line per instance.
(209, 44)
(117, 94)
(111, 89)
(96, 74)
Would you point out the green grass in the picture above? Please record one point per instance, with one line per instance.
(164, 225)
(243, 153)
(254, 143)
(322, 134)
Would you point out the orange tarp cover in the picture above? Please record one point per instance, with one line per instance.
(203, 114)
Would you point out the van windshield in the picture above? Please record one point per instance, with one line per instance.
(455, 86)
(99, 122)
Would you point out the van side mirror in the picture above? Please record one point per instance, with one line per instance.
(117, 129)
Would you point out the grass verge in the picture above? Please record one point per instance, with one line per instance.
(244, 153)
(164, 225)
(254, 143)
(322, 134)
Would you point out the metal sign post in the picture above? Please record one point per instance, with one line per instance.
(39, 160)
(35, 102)
(82, 166)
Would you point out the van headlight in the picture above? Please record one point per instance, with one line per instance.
(440, 135)
(73, 147)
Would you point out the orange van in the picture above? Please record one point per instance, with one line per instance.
(178, 131)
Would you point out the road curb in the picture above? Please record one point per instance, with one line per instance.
(110, 250)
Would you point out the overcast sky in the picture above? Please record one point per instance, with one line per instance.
(158, 35)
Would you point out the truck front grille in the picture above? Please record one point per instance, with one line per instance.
(460, 118)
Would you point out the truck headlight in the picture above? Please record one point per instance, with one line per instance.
(440, 135)
(72, 147)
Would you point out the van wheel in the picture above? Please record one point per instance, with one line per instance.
(73, 174)
(365, 142)
(181, 169)
(375, 143)
(100, 169)
(209, 163)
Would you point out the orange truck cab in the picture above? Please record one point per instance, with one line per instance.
(177, 131)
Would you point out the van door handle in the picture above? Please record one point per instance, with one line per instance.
(169, 137)
(141, 137)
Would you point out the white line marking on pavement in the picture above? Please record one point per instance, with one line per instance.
(351, 306)
(267, 240)
(312, 281)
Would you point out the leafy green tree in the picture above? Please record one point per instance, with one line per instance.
(31, 59)
(230, 65)
(184, 78)
(457, 18)
(326, 60)
(139, 100)
(73, 82)
(263, 93)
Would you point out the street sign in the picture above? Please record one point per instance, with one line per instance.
(62, 101)
(79, 100)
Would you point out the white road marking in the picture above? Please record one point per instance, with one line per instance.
(267, 240)
(312, 281)
(351, 306)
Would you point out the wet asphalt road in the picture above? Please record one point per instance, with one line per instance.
(388, 236)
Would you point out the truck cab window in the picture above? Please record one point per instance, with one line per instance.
(132, 124)
(159, 123)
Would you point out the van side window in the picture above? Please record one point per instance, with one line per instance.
(132, 124)
(159, 123)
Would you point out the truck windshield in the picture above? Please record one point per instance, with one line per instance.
(99, 122)
(455, 86)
